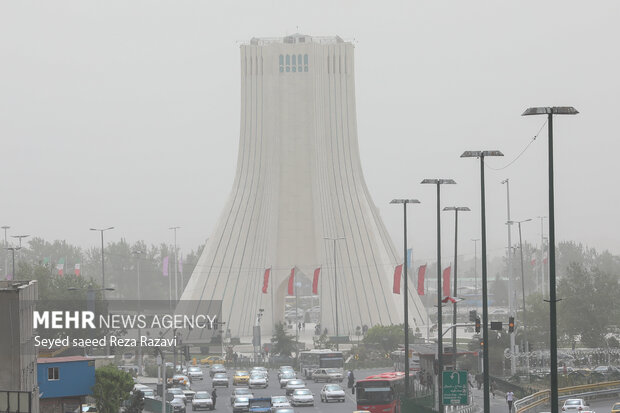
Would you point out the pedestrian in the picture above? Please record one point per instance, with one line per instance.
(351, 382)
(510, 397)
(299, 326)
(492, 389)
(304, 325)
(214, 396)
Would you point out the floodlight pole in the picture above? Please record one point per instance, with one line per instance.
(553, 336)
(406, 288)
(475, 265)
(525, 342)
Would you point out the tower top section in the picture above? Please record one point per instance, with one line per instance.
(296, 38)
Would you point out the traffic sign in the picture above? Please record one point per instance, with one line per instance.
(455, 388)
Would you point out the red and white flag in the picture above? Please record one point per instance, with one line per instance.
(398, 271)
(291, 282)
(266, 280)
(61, 266)
(421, 272)
(446, 281)
(315, 281)
(533, 263)
(77, 269)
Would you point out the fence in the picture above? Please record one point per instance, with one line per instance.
(586, 391)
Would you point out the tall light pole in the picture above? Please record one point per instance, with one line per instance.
(138, 253)
(455, 291)
(13, 249)
(475, 264)
(176, 265)
(406, 288)
(20, 238)
(542, 254)
(438, 183)
(102, 230)
(553, 339)
(6, 254)
(511, 294)
(525, 343)
(335, 287)
(485, 305)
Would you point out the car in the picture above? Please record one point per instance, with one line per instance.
(178, 393)
(211, 360)
(285, 377)
(178, 405)
(257, 380)
(241, 404)
(615, 408)
(146, 390)
(279, 401)
(178, 379)
(241, 377)
(575, 405)
(181, 369)
(217, 368)
(240, 391)
(260, 405)
(260, 370)
(202, 400)
(332, 392)
(220, 379)
(194, 373)
(87, 408)
(282, 410)
(293, 385)
(189, 394)
(327, 375)
(302, 397)
(606, 370)
(285, 369)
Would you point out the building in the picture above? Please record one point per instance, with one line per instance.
(17, 351)
(64, 382)
(299, 180)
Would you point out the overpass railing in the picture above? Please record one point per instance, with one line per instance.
(585, 391)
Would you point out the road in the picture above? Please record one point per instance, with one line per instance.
(223, 393)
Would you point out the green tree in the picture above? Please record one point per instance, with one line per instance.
(386, 338)
(136, 402)
(283, 343)
(112, 387)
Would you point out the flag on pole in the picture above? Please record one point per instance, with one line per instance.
(291, 282)
(266, 280)
(446, 281)
(448, 298)
(421, 272)
(77, 269)
(533, 262)
(61, 266)
(165, 266)
(409, 251)
(315, 281)
(398, 271)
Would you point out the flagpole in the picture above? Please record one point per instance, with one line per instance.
(272, 308)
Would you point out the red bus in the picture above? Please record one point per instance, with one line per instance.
(380, 393)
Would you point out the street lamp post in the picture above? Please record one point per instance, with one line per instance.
(455, 291)
(438, 183)
(475, 264)
(19, 237)
(335, 288)
(102, 230)
(485, 305)
(525, 343)
(406, 288)
(511, 293)
(6, 254)
(553, 339)
(13, 249)
(138, 253)
(176, 264)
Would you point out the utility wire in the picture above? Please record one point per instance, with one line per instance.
(520, 153)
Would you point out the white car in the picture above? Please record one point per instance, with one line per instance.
(202, 400)
(575, 405)
(302, 397)
(293, 385)
(220, 379)
(256, 381)
(194, 373)
(285, 377)
(178, 393)
(332, 392)
(279, 401)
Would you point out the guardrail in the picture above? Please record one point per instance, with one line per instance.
(585, 391)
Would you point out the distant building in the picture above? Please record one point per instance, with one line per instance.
(17, 352)
(64, 382)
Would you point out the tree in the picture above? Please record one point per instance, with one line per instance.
(386, 337)
(283, 343)
(112, 386)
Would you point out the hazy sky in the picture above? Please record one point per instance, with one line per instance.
(126, 113)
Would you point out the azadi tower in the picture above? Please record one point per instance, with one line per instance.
(299, 180)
